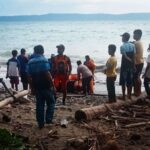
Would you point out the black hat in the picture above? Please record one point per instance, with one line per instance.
(126, 35)
(60, 46)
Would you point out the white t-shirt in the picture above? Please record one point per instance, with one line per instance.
(84, 70)
(13, 67)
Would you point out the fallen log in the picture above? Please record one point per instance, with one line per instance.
(96, 111)
(11, 99)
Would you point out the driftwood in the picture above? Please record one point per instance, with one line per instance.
(11, 99)
(137, 124)
(96, 111)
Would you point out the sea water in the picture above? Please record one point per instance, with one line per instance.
(79, 37)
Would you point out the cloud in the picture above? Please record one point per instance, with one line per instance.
(19, 7)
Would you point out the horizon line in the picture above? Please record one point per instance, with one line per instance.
(75, 13)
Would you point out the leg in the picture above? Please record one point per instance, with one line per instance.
(92, 86)
(50, 101)
(88, 84)
(129, 91)
(129, 81)
(64, 80)
(40, 103)
(123, 92)
(137, 80)
(25, 86)
(111, 89)
(16, 87)
(146, 85)
(84, 86)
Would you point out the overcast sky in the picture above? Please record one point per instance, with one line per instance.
(29, 7)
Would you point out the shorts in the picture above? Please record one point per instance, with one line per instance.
(60, 82)
(126, 77)
(138, 70)
(14, 80)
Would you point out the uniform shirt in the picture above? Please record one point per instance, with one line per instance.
(37, 69)
(147, 75)
(111, 67)
(13, 67)
(84, 70)
(139, 52)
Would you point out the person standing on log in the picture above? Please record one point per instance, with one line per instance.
(91, 65)
(127, 65)
(42, 86)
(111, 74)
(23, 60)
(139, 61)
(84, 72)
(61, 69)
(146, 75)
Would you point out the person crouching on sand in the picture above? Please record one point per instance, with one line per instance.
(111, 74)
(91, 65)
(87, 76)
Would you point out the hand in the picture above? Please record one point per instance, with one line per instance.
(143, 76)
(6, 76)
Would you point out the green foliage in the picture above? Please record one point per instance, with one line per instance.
(9, 141)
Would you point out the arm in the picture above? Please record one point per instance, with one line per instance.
(70, 66)
(49, 78)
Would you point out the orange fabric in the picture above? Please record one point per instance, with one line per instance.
(91, 65)
(61, 80)
(73, 77)
(92, 86)
(61, 58)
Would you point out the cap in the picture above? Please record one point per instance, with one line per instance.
(127, 35)
(61, 46)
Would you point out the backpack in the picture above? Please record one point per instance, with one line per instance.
(61, 64)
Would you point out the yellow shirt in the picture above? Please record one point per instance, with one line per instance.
(139, 52)
(111, 67)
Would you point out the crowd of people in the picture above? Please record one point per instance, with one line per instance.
(47, 76)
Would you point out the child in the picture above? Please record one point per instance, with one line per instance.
(13, 70)
(111, 74)
(146, 76)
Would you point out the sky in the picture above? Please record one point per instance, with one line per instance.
(36, 7)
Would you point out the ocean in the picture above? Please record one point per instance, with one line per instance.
(79, 37)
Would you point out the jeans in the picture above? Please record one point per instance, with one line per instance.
(111, 88)
(146, 85)
(42, 97)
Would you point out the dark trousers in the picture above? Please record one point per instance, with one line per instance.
(146, 85)
(86, 84)
(111, 88)
(42, 97)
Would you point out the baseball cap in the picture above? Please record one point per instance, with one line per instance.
(61, 46)
(127, 35)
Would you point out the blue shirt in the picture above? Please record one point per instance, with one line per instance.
(127, 47)
(38, 64)
(23, 60)
(37, 69)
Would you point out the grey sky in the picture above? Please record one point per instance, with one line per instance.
(29, 7)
